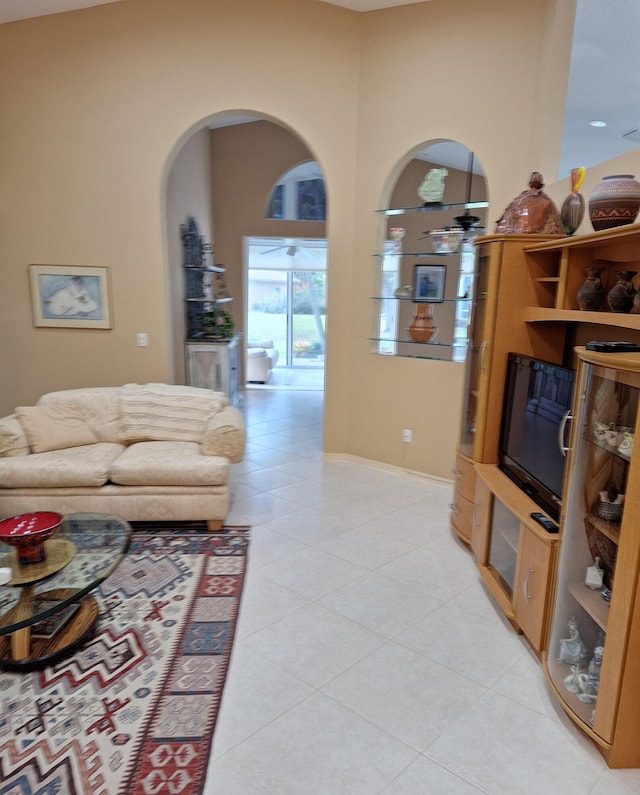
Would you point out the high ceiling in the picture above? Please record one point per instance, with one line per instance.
(604, 81)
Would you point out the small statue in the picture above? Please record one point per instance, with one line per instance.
(532, 212)
(590, 682)
(572, 649)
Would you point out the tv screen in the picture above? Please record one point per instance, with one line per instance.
(537, 397)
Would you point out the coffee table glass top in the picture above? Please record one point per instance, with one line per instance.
(83, 553)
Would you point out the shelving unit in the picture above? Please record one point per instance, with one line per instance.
(393, 314)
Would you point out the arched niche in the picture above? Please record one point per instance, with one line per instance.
(405, 216)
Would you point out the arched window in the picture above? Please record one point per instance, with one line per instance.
(299, 195)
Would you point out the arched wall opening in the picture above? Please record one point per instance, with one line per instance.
(222, 171)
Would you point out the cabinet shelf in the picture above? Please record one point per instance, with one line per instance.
(535, 314)
(210, 268)
(592, 602)
(609, 529)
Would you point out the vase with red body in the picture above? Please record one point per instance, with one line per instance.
(423, 328)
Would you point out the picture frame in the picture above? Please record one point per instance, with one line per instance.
(70, 296)
(428, 283)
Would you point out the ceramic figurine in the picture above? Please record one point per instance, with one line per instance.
(572, 649)
(590, 682)
(532, 212)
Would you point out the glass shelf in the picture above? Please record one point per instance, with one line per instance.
(457, 344)
(417, 254)
(426, 208)
(208, 300)
(435, 303)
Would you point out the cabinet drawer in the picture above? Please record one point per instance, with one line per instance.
(464, 474)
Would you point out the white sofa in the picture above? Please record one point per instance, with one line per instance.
(262, 357)
(143, 452)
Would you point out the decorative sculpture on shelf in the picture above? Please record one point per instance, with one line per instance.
(431, 188)
(532, 212)
(572, 649)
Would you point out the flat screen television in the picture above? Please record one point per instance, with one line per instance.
(537, 397)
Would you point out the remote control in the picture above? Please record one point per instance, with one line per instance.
(612, 347)
(541, 519)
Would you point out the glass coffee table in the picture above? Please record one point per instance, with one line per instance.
(46, 609)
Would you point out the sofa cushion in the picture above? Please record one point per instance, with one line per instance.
(86, 465)
(12, 438)
(53, 429)
(168, 464)
(167, 412)
(98, 406)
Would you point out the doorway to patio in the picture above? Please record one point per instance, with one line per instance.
(286, 308)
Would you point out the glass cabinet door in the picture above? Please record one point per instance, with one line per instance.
(592, 603)
(504, 539)
(475, 364)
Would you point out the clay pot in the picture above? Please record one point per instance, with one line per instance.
(620, 297)
(614, 201)
(422, 328)
(591, 294)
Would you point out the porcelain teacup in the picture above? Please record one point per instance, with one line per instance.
(612, 436)
(599, 431)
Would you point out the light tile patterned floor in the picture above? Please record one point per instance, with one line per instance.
(369, 658)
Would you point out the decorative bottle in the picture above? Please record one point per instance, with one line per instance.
(621, 295)
(423, 328)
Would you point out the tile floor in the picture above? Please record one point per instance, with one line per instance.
(369, 658)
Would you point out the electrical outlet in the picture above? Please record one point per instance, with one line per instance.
(407, 435)
(142, 340)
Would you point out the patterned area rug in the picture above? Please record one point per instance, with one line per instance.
(133, 712)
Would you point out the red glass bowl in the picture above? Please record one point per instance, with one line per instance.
(28, 532)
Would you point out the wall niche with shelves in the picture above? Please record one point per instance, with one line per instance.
(463, 206)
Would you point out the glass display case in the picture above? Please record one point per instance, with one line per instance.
(592, 660)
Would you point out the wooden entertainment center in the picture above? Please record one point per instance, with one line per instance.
(525, 302)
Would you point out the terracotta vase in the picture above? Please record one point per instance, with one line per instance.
(621, 295)
(591, 293)
(614, 201)
(422, 328)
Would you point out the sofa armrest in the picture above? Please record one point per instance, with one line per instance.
(225, 435)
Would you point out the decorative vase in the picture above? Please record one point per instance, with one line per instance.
(591, 294)
(614, 201)
(621, 295)
(572, 211)
(422, 328)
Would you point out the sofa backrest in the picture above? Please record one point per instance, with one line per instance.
(98, 406)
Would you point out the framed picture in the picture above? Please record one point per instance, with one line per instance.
(66, 296)
(428, 283)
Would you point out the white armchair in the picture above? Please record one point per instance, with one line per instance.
(262, 357)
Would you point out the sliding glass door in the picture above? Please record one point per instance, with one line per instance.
(287, 297)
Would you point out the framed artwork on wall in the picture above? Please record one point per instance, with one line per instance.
(428, 283)
(67, 296)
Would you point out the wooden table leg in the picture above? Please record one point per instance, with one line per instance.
(21, 638)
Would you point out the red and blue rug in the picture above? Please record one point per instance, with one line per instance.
(133, 712)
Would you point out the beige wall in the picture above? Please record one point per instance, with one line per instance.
(99, 102)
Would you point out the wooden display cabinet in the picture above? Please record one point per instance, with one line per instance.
(503, 288)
